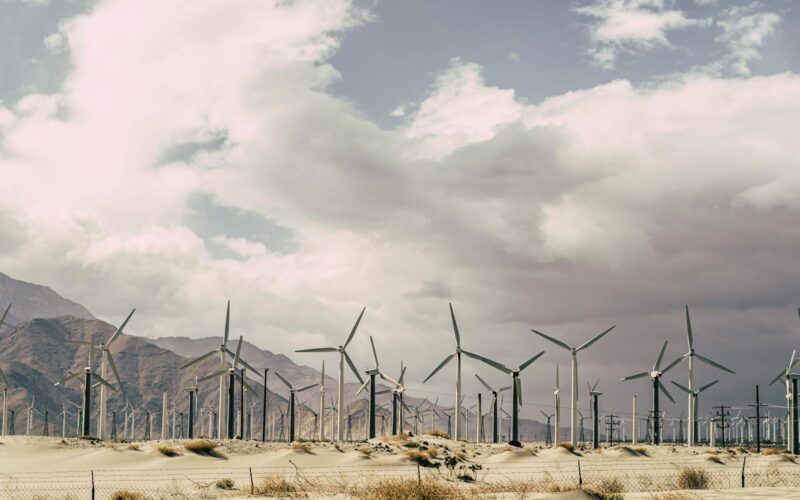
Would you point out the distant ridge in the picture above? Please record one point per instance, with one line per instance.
(32, 301)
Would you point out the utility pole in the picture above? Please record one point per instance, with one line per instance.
(758, 406)
(611, 422)
(723, 417)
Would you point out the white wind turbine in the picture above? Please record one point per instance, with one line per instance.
(691, 438)
(495, 409)
(5, 382)
(573, 431)
(457, 355)
(342, 350)
(322, 403)
(557, 414)
(694, 396)
(106, 359)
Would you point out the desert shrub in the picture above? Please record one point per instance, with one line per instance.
(432, 452)
(366, 451)
(167, 450)
(420, 457)
(411, 444)
(608, 489)
(277, 486)
(224, 484)
(773, 451)
(409, 489)
(127, 495)
(438, 433)
(135, 447)
(692, 478)
(569, 447)
(301, 447)
(673, 495)
(714, 458)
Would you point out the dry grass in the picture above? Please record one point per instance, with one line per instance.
(127, 495)
(301, 447)
(438, 433)
(773, 451)
(672, 495)
(167, 450)
(608, 489)
(409, 489)
(715, 458)
(278, 486)
(633, 450)
(203, 447)
(135, 447)
(433, 452)
(366, 451)
(692, 478)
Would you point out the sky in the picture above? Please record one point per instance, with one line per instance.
(564, 166)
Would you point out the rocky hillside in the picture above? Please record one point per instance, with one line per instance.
(35, 301)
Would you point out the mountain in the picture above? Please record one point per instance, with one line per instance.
(31, 301)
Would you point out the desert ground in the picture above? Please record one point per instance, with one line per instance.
(390, 467)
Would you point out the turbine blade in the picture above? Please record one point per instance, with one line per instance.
(502, 389)
(305, 388)
(673, 364)
(441, 365)
(402, 373)
(660, 356)
(713, 363)
(665, 391)
(115, 371)
(778, 377)
(322, 377)
(385, 391)
(238, 351)
(355, 327)
(689, 336)
(488, 361)
(528, 363)
(488, 388)
(3, 376)
(197, 360)
(247, 365)
(684, 389)
(319, 349)
(227, 323)
(352, 366)
(244, 382)
(284, 381)
(83, 342)
(68, 378)
(519, 391)
(557, 387)
(389, 379)
(587, 344)
(103, 381)
(638, 375)
(3, 318)
(215, 374)
(595, 385)
(374, 352)
(551, 339)
(707, 386)
(455, 325)
(363, 386)
(119, 330)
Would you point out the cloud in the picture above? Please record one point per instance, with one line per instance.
(631, 26)
(615, 203)
(744, 31)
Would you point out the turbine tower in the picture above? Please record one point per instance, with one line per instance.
(557, 413)
(655, 376)
(223, 349)
(692, 434)
(457, 354)
(5, 383)
(342, 358)
(106, 359)
(573, 429)
(694, 396)
(322, 403)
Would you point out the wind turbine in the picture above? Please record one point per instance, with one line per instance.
(372, 373)
(232, 377)
(106, 359)
(292, 399)
(223, 349)
(694, 396)
(495, 409)
(655, 375)
(5, 381)
(516, 387)
(322, 403)
(342, 358)
(557, 414)
(790, 395)
(88, 375)
(690, 356)
(457, 355)
(397, 396)
(573, 436)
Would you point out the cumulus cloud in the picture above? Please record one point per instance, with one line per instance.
(611, 204)
(745, 30)
(631, 26)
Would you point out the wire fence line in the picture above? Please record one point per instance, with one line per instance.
(628, 475)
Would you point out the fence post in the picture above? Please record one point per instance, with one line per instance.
(580, 475)
(92, 484)
(419, 476)
(252, 486)
(744, 462)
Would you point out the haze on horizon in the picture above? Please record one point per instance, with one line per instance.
(563, 166)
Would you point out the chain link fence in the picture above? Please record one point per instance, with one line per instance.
(605, 476)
